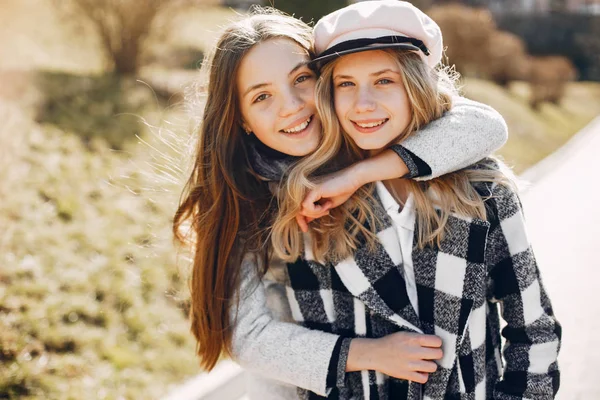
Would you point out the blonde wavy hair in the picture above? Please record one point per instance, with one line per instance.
(336, 236)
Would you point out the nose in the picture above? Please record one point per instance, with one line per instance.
(364, 101)
(292, 104)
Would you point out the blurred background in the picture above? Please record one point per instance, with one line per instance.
(94, 139)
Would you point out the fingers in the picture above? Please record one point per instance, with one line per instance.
(428, 353)
(302, 223)
(311, 199)
(430, 341)
(315, 216)
(328, 205)
(424, 366)
(316, 210)
(418, 377)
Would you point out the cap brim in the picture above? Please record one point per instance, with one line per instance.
(319, 62)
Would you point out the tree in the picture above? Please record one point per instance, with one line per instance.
(121, 25)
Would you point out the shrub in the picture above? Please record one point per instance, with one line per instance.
(549, 76)
(104, 107)
(575, 36)
(467, 32)
(507, 58)
(477, 48)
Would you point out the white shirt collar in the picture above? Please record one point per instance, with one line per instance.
(406, 216)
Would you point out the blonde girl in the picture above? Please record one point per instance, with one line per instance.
(445, 257)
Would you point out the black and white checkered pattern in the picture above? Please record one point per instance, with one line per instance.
(478, 265)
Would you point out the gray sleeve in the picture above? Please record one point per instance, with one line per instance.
(464, 135)
(278, 350)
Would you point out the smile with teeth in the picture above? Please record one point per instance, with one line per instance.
(298, 128)
(371, 124)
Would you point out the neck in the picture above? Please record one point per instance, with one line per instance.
(374, 152)
(266, 150)
(267, 163)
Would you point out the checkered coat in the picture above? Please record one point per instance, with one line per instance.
(479, 266)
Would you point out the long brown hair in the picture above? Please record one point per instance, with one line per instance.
(225, 208)
(335, 236)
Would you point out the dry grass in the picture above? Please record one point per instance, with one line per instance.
(91, 294)
(91, 290)
(535, 134)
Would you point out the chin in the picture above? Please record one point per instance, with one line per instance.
(314, 144)
(370, 146)
(301, 151)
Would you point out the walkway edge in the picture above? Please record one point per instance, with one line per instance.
(226, 381)
(538, 171)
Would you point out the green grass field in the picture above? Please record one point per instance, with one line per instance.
(92, 290)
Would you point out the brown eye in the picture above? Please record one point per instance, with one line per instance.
(303, 78)
(262, 97)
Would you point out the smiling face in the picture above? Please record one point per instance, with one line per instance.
(371, 101)
(276, 91)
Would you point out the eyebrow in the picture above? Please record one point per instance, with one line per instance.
(261, 85)
(254, 87)
(298, 66)
(383, 71)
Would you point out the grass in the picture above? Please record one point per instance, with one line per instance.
(534, 135)
(89, 285)
(92, 291)
(111, 106)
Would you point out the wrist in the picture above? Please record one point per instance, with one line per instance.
(362, 173)
(384, 166)
(360, 355)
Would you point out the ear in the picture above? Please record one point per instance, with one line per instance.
(246, 127)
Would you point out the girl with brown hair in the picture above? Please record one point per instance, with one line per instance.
(259, 120)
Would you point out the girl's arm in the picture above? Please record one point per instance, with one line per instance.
(464, 135)
(467, 133)
(282, 351)
(316, 360)
(533, 335)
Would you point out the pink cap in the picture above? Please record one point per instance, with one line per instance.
(371, 25)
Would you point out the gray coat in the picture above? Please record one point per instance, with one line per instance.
(285, 355)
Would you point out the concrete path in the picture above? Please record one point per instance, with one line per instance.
(562, 209)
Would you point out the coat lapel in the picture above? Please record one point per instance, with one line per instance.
(383, 291)
(376, 277)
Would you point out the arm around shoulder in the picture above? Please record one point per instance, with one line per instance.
(464, 135)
